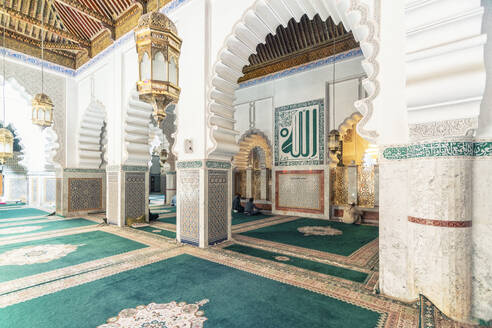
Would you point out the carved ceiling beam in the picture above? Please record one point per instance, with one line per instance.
(143, 3)
(105, 21)
(62, 46)
(39, 24)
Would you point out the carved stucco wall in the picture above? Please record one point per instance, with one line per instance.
(54, 87)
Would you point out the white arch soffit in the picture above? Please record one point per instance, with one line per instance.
(89, 143)
(263, 18)
(137, 131)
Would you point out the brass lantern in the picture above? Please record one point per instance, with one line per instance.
(6, 145)
(334, 141)
(158, 48)
(42, 110)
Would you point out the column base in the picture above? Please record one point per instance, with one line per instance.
(128, 194)
(80, 191)
(204, 202)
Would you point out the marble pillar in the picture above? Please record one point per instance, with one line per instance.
(128, 193)
(204, 202)
(170, 186)
(249, 183)
(427, 248)
(80, 191)
(264, 183)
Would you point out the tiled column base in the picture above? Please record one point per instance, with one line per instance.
(128, 194)
(204, 202)
(80, 191)
(170, 186)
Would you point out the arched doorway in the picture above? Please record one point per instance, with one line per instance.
(252, 168)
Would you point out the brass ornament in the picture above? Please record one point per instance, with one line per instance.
(6, 145)
(158, 48)
(42, 110)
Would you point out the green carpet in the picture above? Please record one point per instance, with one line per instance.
(92, 246)
(236, 299)
(352, 238)
(162, 232)
(163, 209)
(21, 212)
(171, 220)
(238, 218)
(45, 226)
(301, 263)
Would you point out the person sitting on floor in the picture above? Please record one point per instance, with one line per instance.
(352, 215)
(236, 204)
(251, 208)
(173, 201)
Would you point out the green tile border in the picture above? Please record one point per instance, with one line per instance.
(440, 149)
(189, 165)
(218, 165)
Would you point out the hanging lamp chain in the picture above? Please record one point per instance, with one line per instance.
(42, 47)
(4, 51)
(334, 76)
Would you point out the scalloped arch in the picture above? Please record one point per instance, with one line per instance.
(90, 138)
(257, 22)
(250, 140)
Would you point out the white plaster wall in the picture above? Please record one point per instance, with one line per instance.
(300, 87)
(485, 121)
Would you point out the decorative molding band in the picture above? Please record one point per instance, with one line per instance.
(303, 68)
(74, 170)
(126, 168)
(218, 165)
(170, 173)
(440, 223)
(189, 165)
(18, 56)
(439, 149)
(440, 129)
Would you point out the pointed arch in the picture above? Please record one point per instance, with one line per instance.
(262, 19)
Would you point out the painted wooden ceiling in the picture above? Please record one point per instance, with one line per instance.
(73, 30)
(76, 30)
(298, 43)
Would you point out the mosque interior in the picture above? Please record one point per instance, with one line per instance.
(136, 134)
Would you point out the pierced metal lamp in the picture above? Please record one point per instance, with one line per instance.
(334, 141)
(6, 145)
(42, 106)
(42, 110)
(158, 48)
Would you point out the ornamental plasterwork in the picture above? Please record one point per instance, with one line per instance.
(439, 149)
(189, 165)
(218, 165)
(36, 254)
(440, 129)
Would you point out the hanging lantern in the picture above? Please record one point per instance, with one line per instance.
(158, 48)
(334, 141)
(6, 145)
(42, 110)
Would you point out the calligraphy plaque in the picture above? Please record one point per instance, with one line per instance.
(300, 191)
(299, 134)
